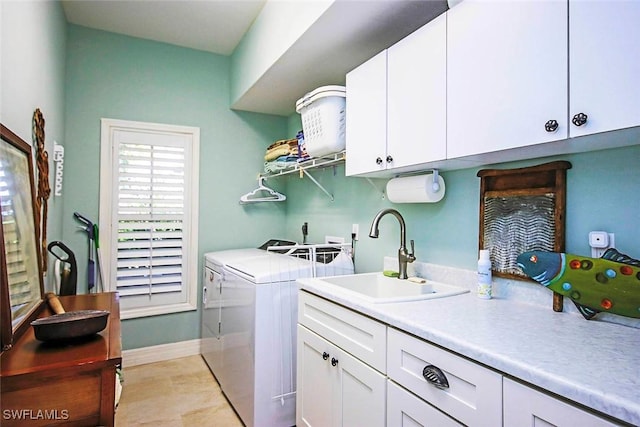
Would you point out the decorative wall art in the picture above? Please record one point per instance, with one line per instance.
(522, 210)
(609, 284)
(44, 190)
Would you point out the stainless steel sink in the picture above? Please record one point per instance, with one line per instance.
(377, 288)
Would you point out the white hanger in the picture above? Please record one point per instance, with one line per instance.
(253, 196)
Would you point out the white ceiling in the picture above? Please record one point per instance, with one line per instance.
(214, 26)
(349, 33)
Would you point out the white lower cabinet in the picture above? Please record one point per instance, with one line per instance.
(354, 371)
(462, 389)
(525, 406)
(334, 387)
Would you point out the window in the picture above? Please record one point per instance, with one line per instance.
(148, 215)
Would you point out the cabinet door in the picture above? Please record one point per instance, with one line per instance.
(506, 74)
(604, 49)
(359, 393)
(366, 137)
(406, 410)
(417, 96)
(524, 406)
(315, 378)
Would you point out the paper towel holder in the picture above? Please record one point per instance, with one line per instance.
(436, 184)
(428, 187)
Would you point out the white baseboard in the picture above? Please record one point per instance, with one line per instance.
(160, 353)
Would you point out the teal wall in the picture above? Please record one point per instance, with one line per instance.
(602, 194)
(32, 48)
(77, 76)
(119, 77)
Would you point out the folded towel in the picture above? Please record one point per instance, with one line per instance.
(277, 143)
(280, 163)
(290, 148)
(274, 153)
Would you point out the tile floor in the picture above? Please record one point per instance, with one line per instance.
(175, 393)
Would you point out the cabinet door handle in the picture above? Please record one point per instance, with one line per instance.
(389, 159)
(325, 355)
(204, 295)
(334, 361)
(378, 161)
(435, 376)
(551, 126)
(579, 119)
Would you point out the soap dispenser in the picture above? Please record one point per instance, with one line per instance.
(484, 275)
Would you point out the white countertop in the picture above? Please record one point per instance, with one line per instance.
(594, 363)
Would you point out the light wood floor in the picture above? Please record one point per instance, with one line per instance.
(175, 393)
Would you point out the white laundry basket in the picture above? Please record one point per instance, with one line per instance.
(323, 120)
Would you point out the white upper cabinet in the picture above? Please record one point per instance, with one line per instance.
(492, 81)
(366, 137)
(417, 96)
(396, 104)
(506, 75)
(604, 52)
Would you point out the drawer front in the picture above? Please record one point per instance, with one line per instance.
(526, 406)
(406, 410)
(361, 336)
(474, 395)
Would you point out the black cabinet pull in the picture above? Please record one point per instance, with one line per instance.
(389, 159)
(325, 355)
(378, 161)
(435, 376)
(579, 119)
(551, 126)
(334, 361)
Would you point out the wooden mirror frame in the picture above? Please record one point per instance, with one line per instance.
(8, 331)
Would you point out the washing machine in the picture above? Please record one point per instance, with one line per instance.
(212, 297)
(251, 346)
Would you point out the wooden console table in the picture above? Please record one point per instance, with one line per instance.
(72, 384)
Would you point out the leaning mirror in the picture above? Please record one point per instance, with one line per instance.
(21, 285)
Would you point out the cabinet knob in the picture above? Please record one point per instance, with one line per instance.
(389, 159)
(579, 119)
(378, 161)
(334, 361)
(435, 376)
(325, 355)
(551, 126)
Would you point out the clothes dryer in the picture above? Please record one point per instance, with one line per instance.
(211, 313)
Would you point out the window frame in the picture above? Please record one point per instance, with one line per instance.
(107, 193)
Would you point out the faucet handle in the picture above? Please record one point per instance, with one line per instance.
(413, 251)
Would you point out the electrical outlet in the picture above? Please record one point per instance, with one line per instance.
(355, 230)
(600, 241)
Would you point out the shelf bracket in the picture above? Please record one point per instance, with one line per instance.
(374, 186)
(305, 172)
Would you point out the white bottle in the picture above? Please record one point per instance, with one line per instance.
(484, 275)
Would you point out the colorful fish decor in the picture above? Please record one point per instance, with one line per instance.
(609, 284)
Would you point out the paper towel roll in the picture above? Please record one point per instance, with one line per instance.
(415, 189)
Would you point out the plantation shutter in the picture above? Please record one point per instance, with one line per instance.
(151, 212)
